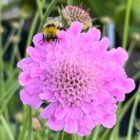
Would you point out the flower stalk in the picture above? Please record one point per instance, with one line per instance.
(126, 24)
(132, 117)
(47, 13)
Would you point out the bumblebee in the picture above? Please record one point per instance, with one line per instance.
(51, 29)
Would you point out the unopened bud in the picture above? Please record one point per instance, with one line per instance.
(15, 24)
(106, 19)
(25, 11)
(136, 36)
(19, 117)
(15, 39)
(1, 29)
(36, 123)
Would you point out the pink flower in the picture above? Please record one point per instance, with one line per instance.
(78, 77)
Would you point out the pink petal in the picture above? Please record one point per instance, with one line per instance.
(60, 112)
(109, 121)
(129, 85)
(24, 78)
(36, 54)
(94, 33)
(47, 96)
(55, 125)
(75, 113)
(119, 55)
(104, 43)
(49, 111)
(38, 40)
(75, 28)
(28, 99)
(23, 64)
(71, 125)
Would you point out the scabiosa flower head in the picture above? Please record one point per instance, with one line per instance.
(75, 13)
(78, 77)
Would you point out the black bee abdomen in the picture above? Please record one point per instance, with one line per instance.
(51, 38)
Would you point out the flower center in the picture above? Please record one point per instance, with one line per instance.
(71, 82)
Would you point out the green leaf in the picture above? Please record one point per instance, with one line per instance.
(7, 128)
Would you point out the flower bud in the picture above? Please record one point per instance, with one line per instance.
(75, 13)
(36, 123)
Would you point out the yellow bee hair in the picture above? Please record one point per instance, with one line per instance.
(50, 30)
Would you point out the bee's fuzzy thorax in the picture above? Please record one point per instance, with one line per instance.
(50, 30)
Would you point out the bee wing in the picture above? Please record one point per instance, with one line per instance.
(59, 18)
(49, 19)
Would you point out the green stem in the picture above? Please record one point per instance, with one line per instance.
(30, 123)
(1, 57)
(8, 91)
(38, 136)
(131, 47)
(132, 117)
(61, 136)
(126, 23)
(56, 137)
(105, 134)
(6, 114)
(139, 137)
(104, 33)
(74, 137)
(96, 133)
(79, 138)
(7, 43)
(23, 130)
(39, 6)
(16, 47)
(47, 13)
(124, 109)
(32, 30)
(0, 26)
(130, 50)
(114, 133)
(136, 76)
(8, 98)
(45, 133)
(6, 127)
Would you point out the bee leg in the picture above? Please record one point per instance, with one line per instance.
(56, 41)
(53, 43)
(43, 38)
(40, 41)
